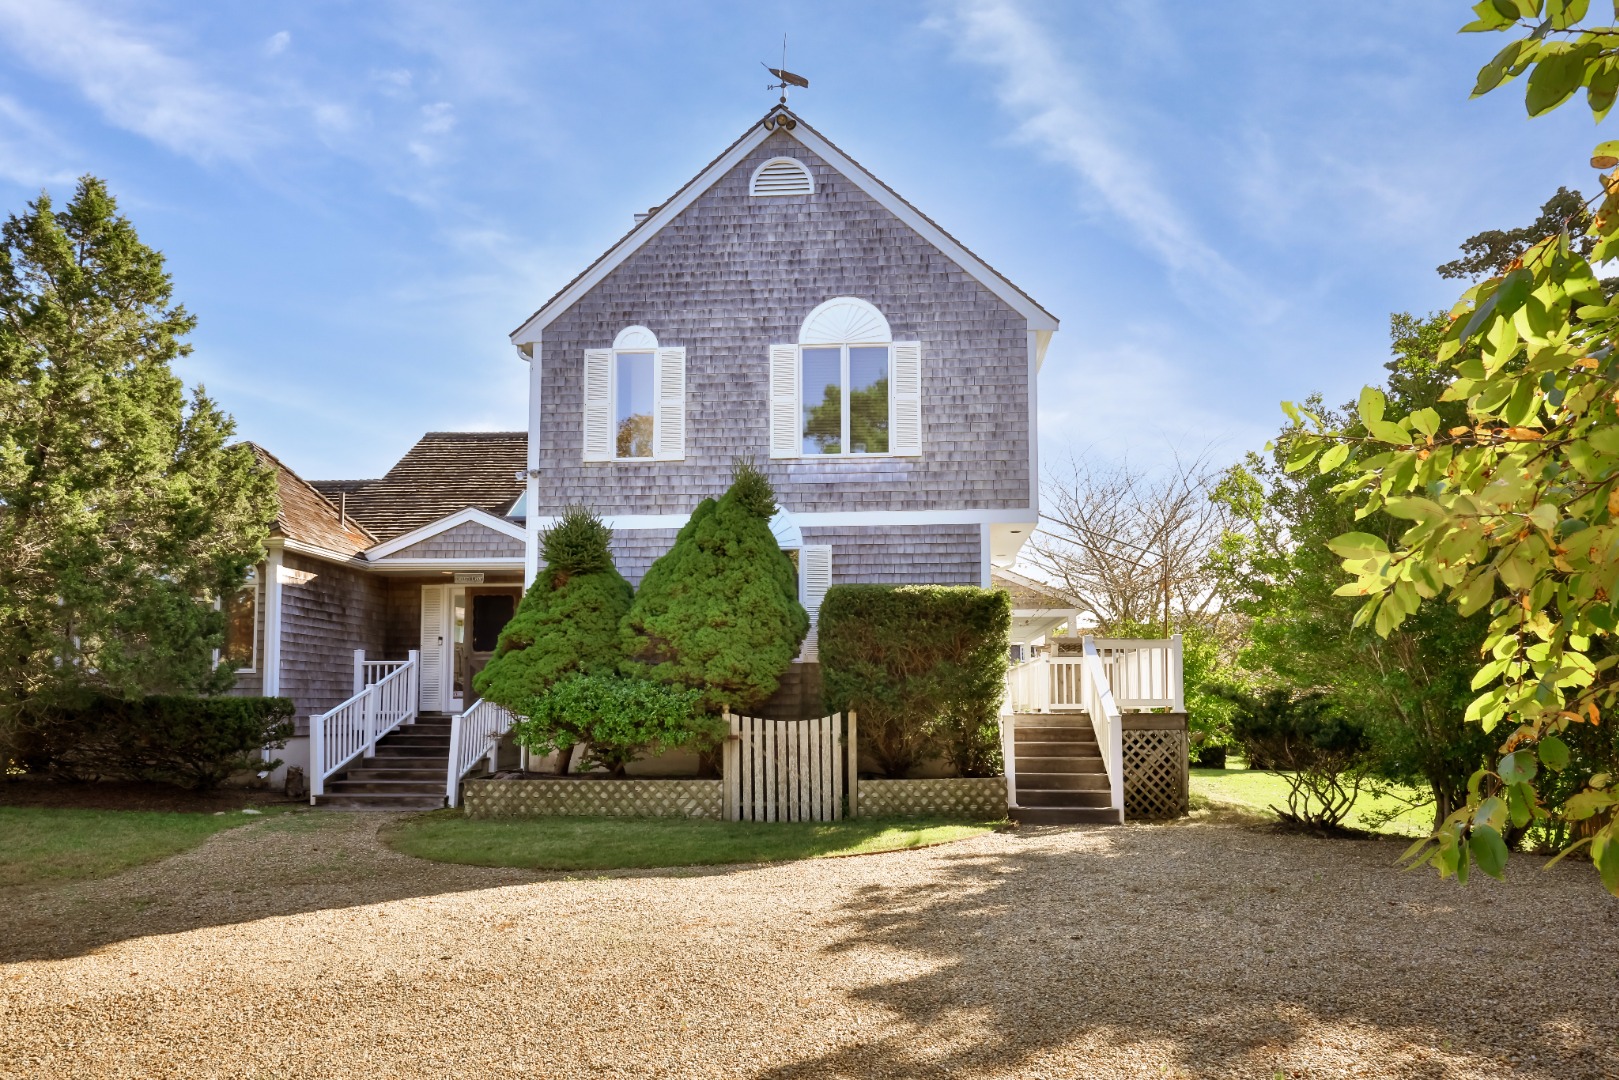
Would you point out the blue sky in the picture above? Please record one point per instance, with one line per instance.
(1221, 201)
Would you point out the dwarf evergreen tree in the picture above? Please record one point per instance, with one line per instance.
(567, 623)
(719, 612)
(123, 508)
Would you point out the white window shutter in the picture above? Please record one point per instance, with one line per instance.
(671, 414)
(432, 648)
(814, 578)
(598, 404)
(907, 392)
(786, 436)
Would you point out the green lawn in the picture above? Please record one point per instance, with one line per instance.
(580, 843)
(51, 845)
(1259, 790)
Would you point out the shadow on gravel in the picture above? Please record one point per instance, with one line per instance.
(1220, 947)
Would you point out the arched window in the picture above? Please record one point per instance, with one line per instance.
(635, 399)
(846, 388)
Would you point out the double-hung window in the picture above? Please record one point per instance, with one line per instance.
(847, 388)
(241, 609)
(635, 400)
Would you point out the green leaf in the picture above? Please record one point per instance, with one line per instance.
(1605, 155)
(1491, 813)
(1424, 420)
(1554, 78)
(1605, 853)
(1520, 804)
(1553, 753)
(1494, 73)
(1565, 13)
(1489, 850)
(1357, 545)
(1335, 456)
(1518, 767)
(1388, 431)
(1372, 404)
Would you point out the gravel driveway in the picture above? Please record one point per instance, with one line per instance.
(302, 947)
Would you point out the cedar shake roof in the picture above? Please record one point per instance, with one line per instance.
(779, 110)
(304, 514)
(446, 471)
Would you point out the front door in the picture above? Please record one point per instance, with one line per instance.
(460, 627)
(487, 611)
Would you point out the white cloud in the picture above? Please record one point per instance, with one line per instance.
(438, 118)
(31, 154)
(277, 43)
(1059, 115)
(131, 78)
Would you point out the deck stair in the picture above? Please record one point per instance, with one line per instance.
(1060, 776)
(407, 772)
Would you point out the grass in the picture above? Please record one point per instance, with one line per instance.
(580, 843)
(1259, 790)
(43, 846)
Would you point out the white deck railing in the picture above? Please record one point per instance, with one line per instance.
(1105, 721)
(352, 729)
(474, 735)
(1144, 673)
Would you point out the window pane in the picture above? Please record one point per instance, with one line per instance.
(823, 401)
(868, 399)
(634, 405)
(241, 612)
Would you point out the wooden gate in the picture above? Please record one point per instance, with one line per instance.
(789, 770)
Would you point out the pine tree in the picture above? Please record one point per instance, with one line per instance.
(719, 611)
(567, 623)
(123, 508)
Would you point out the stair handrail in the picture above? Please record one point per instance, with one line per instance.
(474, 735)
(352, 729)
(1107, 722)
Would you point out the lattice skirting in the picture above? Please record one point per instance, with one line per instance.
(592, 798)
(1155, 774)
(978, 797)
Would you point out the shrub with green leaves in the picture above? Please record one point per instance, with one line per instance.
(1324, 755)
(567, 623)
(719, 611)
(924, 667)
(617, 719)
(194, 742)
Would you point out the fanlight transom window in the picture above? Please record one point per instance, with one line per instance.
(845, 372)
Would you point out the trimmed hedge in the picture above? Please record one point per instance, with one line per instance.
(194, 742)
(618, 720)
(925, 668)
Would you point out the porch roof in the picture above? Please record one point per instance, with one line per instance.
(307, 516)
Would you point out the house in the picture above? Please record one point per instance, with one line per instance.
(784, 305)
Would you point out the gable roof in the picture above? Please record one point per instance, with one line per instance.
(307, 516)
(996, 282)
(1031, 595)
(446, 471)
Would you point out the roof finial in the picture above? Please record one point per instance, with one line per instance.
(787, 78)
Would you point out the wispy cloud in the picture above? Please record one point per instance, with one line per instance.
(1059, 114)
(30, 152)
(277, 43)
(132, 78)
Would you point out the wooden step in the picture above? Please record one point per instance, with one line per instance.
(1063, 815)
(1029, 797)
(1063, 781)
(364, 801)
(424, 774)
(1073, 761)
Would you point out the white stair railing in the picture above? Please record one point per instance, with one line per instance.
(338, 737)
(1105, 721)
(474, 735)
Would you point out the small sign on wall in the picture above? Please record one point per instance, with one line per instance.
(469, 579)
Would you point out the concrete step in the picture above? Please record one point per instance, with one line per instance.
(1029, 797)
(1062, 781)
(1065, 815)
(362, 801)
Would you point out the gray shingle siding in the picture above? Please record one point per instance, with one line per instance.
(325, 616)
(733, 274)
(903, 554)
(467, 540)
(635, 549)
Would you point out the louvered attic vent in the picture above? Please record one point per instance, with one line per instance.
(782, 176)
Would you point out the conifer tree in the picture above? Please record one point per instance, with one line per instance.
(719, 611)
(123, 507)
(567, 623)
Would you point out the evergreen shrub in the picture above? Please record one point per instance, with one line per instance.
(567, 622)
(719, 611)
(924, 666)
(618, 720)
(194, 742)
(1324, 754)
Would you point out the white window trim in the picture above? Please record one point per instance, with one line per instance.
(843, 379)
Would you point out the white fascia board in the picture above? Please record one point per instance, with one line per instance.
(444, 524)
(529, 332)
(1038, 318)
(298, 547)
(866, 519)
(531, 541)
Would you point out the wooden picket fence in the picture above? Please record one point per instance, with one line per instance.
(790, 770)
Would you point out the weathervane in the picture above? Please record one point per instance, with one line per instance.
(787, 78)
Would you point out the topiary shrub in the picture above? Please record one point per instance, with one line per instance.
(924, 666)
(618, 720)
(194, 742)
(1324, 756)
(719, 611)
(567, 622)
